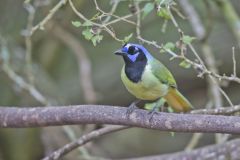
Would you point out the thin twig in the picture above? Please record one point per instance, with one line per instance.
(30, 88)
(17, 79)
(41, 24)
(80, 15)
(200, 32)
(234, 62)
(73, 137)
(110, 14)
(231, 17)
(138, 31)
(83, 140)
(193, 142)
(114, 7)
(226, 151)
(28, 41)
(193, 18)
(218, 111)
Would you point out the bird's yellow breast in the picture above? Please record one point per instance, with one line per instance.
(148, 88)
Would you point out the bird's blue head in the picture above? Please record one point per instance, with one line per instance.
(134, 53)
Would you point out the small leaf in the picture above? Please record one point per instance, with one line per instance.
(127, 38)
(147, 9)
(76, 23)
(168, 46)
(185, 64)
(87, 34)
(162, 51)
(87, 23)
(163, 12)
(188, 39)
(96, 39)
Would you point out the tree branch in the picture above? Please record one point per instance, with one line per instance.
(83, 140)
(228, 150)
(98, 114)
(218, 111)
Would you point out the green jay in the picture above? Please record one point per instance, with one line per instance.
(148, 79)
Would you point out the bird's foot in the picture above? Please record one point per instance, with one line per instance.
(132, 107)
(152, 112)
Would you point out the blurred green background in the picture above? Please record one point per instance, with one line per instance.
(56, 72)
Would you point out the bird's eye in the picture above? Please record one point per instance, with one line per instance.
(131, 50)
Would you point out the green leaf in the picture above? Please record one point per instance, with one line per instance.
(127, 38)
(163, 12)
(188, 39)
(87, 34)
(147, 9)
(96, 39)
(76, 23)
(168, 46)
(87, 23)
(185, 64)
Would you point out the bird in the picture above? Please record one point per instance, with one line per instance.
(147, 78)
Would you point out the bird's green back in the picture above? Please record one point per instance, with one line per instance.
(162, 73)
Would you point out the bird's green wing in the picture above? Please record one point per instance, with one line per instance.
(162, 73)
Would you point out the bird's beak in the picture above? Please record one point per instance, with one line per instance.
(119, 52)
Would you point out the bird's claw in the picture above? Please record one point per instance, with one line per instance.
(152, 112)
(131, 108)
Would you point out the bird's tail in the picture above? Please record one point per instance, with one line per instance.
(177, 101)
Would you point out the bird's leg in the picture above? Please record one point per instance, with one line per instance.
(157, 105)
(153, 111)
(132, 106)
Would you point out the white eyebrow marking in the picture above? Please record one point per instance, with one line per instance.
(127, 46)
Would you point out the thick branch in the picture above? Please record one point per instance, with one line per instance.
(98, 114)
(228, 150)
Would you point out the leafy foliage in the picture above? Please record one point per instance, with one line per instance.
(187, 39)
(147, 9)
(185, 64)
(163, 12)
(96, 39)
(76, 23)
(87, 34)
(168, 46)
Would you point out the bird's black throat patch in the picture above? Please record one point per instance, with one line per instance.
(134, 70)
